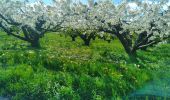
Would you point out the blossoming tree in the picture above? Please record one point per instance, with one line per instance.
(30, 21)
(139, 27)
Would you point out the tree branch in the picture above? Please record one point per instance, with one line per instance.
(10, 33)
(9, 20)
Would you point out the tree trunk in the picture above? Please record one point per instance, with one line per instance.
(86, 39)
(73, 38)
(94, 38)
(132, 53)
(35, 43)
(109, 41)
(124, 43)
(127, 44)
(87, 42)
(144, 48)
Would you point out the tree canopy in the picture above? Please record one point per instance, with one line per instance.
(137, 27)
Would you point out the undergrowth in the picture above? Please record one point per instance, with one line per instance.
(62, 69)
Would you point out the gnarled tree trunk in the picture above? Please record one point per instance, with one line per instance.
(73, 38)
(35, 43)
(127, 43)
(87, 38)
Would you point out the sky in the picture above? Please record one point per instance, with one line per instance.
(85, 1)
(115, 1)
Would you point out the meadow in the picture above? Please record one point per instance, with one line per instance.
(66, 70)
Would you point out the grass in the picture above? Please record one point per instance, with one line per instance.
(63, 69)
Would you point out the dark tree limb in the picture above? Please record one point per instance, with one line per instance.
(11, 33)
(9, 20)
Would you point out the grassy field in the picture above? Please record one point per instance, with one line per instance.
(67, 70)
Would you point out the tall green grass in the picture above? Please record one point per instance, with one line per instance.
(63, 69)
